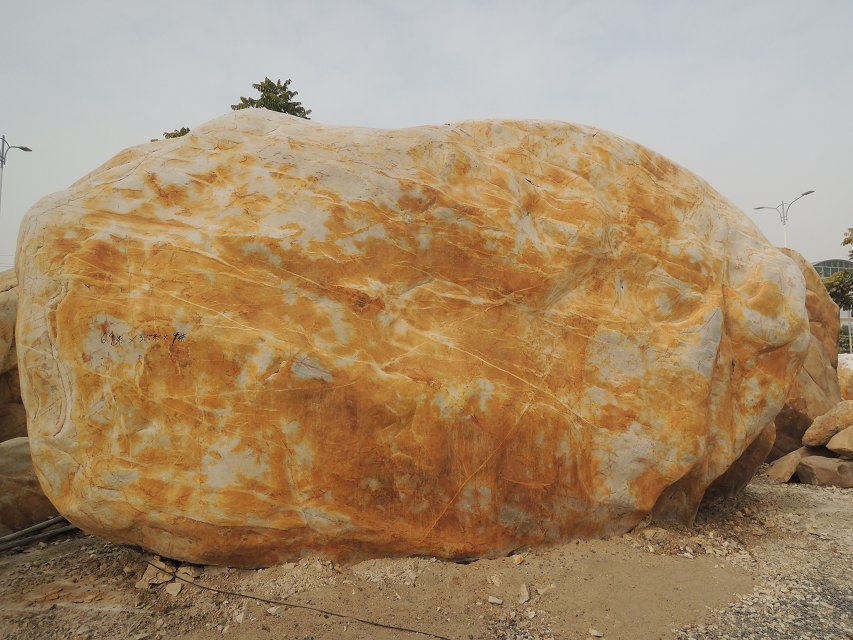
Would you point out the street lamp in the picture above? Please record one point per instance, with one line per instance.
(782, 210)
(4, 149)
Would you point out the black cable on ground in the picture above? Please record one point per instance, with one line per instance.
(16, 539)
(35, 527)
(299, 606)
(20, 542)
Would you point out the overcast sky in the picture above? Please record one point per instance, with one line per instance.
(755, 97)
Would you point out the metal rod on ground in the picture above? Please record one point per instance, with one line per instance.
(35, 527)
(25, 541)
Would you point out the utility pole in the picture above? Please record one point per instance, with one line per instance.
(4, 149)
(782, 210)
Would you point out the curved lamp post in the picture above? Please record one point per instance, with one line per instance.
(4, 149)
(782, 210)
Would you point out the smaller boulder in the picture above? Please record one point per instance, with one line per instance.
(842, 443)
(784, 468)
(824, 427)
(22, 502)
(826, 472)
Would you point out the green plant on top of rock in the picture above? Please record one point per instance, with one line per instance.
(177, 133)
(275, 96)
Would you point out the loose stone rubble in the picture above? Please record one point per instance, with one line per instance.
(802, 553)
(827, 458)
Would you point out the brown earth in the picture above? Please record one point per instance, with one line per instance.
(774, 562)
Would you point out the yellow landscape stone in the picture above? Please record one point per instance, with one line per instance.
(816, 387)
(271, 337)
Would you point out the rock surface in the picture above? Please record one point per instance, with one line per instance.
(743, 469)
(13, 416)
(826, 472)
(8, 312)
(827, 425)
(842, 443)
(272, 336)
(845, 375)
(13, 421)
(10, 387)
(22, 502)
(815, 390)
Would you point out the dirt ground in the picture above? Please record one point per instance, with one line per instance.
(776, 563)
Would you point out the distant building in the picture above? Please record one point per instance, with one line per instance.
(826, 268)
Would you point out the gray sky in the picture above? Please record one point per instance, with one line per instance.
(753, 96)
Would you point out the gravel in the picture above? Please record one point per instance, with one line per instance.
(805, 590)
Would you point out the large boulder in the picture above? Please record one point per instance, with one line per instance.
(272, 336)
(22, 502)
(815, 390)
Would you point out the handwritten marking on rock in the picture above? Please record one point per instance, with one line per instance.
(119, 339)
